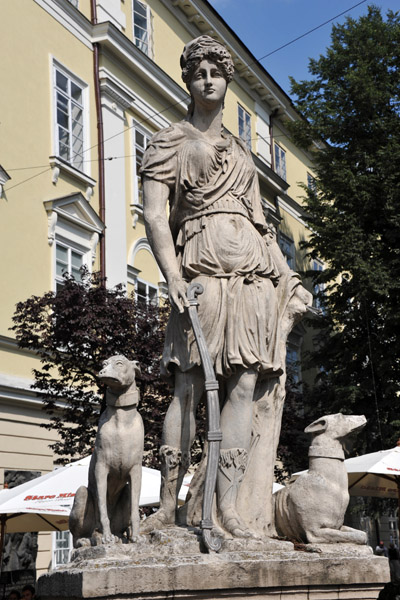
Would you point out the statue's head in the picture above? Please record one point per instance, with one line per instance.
(205, 48)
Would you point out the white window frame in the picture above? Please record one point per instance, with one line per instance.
(63, 552)
(83, 166)
(73, 223)
(138, 200)
(288, 249)
(148, 286)
(145, 46)
(63, 242)
(280, 161)
(244, 125)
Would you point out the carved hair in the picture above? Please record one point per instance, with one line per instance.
(201, 48)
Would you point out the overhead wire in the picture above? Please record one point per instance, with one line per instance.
(180, 102)
(109, 158)
(311, 31)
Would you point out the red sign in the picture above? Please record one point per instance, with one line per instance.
(49, 497)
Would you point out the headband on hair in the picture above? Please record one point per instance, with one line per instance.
(202, 47)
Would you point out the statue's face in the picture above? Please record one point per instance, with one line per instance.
(208, 85)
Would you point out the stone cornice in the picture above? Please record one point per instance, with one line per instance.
(114, 91)
(269, 177)
(10, 344)
(70, 17)
(292, 207)
(127, 53)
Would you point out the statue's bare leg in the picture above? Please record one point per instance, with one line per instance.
(236, 423)
(178, 434)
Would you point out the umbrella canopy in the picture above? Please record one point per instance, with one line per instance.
(44, 503)
(376, 474)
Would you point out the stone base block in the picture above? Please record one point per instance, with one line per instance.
(170, 565)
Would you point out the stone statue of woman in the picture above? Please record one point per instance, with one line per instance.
(216, 235)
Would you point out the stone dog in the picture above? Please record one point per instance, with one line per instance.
(107, 510)
(312, 508)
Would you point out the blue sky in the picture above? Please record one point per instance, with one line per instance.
(264, 25)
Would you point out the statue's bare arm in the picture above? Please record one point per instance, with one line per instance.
(155, 198)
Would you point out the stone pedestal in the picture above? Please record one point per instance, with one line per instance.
(171, 565)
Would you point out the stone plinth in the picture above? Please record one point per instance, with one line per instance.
(173, 566)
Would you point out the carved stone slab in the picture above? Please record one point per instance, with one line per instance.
(152, 570)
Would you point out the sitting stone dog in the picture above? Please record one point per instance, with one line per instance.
(312, 508)
(107, 510)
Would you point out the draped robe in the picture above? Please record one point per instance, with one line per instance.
(217, 223)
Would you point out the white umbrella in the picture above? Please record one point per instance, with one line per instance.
(44, 503)
(376, 474)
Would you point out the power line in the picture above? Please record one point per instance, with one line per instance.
(110, 158)
(311, 31)
(25, 180)
(260, 59)
(180, 102)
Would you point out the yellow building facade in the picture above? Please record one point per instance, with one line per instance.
(75, 68)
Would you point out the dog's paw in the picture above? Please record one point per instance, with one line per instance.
(109, 538)
(82, 543)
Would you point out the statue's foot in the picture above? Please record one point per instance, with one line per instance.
(157, 520)
(234, 525)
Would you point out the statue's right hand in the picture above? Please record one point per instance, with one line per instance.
(177, 294)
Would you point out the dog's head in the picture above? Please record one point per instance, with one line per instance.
(119, 373)
(337, 427)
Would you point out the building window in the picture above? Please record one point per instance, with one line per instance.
(280, 162)
(263, 145)
(141, 140)
(244, 126)
(69, 260)
(311, 182)
(62, 548)
(318, 288)
(74, 3)
(141, 26)
(69, 109)
(146, 293)
(73, 233)
(288, 250)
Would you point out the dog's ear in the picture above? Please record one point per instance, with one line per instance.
(137, 368)
(317, 426)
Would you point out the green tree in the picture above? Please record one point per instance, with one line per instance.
(352, 106)
(73, 332)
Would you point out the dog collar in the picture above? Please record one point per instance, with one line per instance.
(128, 399)
(322, 452)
